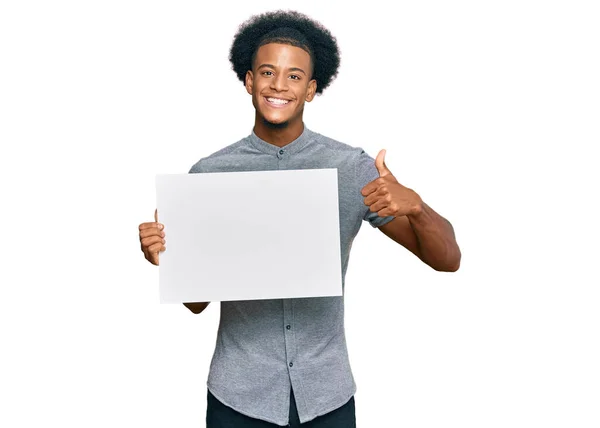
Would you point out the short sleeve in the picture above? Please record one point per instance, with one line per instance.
(196, 168)
(365, 173)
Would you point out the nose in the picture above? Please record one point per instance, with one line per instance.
(279, 83)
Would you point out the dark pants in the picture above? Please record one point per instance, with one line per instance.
(218, 415)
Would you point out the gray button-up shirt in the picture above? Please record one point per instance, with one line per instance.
(264, 347)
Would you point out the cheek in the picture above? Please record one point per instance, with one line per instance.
(255, 96)
(306, 94)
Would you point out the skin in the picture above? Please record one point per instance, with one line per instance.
(152, 239)
(284, 72)
(416, 226)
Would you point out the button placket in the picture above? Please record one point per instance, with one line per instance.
(288, 338)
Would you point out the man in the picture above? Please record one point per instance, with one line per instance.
(283, 361)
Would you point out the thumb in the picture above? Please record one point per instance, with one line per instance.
(380, 164)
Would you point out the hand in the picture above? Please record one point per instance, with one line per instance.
(387, 197)
(152, 238)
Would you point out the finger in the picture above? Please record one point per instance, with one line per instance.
(151, 240)
(160, 225)
(155, 248)
(379, 205)
(148, 225)
(380, 164)
(372, 186)
(152, 231)
(373, 197)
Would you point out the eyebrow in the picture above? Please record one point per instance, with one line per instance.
(289, 69)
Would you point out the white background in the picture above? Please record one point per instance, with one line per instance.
(489, 110)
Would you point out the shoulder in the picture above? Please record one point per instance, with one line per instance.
(346, 150)
(221, 154)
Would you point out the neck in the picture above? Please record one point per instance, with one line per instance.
(278, 135)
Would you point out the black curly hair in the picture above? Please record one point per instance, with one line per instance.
(292, 28)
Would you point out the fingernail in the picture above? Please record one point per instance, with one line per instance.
(160, 226)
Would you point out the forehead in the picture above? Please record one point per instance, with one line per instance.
(282, 55)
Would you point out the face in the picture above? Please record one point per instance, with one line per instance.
(280, 84)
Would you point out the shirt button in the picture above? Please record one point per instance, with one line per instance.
(291, 364)
(280, 152)
(288, 326)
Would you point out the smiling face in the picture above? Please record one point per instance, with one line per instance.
(280, 83)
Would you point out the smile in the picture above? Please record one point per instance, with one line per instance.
(277, 102)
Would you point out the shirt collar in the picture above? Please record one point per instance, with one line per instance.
(290, 148)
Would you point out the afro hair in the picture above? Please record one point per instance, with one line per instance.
(292, 28)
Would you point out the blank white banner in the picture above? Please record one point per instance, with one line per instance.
(249, 235)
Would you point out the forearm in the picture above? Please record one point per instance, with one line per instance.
(436, 240)
(196, 307)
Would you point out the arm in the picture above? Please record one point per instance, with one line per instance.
(416, 226)
(428, 235)
(196, 307)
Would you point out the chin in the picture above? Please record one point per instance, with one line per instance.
(276, 125)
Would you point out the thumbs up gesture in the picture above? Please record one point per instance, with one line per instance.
(387, 197)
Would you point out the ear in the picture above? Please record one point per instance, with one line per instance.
(249, 81)
(312, 89)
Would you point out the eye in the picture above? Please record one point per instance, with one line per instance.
(295, 77)
(267, 73)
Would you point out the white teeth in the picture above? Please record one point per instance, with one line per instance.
(277, 101)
